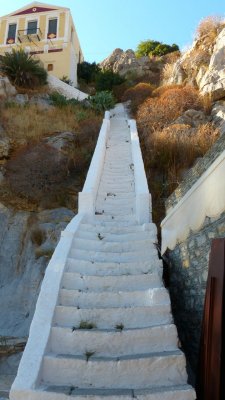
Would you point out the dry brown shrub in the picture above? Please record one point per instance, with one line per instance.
(138, 94)
(168, 154)
(156, 113)
(209, 26)
(171, 58)
(162, 89)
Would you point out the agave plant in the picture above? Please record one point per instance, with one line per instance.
(22, 69)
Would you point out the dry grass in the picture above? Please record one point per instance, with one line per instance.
(138, 94)
(209, 27)
(30, 123)
(156, 113)
(168, 154)
(37, 175)
(170, 149)
(167, 72)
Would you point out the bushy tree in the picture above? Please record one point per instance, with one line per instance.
(154, 48)
(87, 71)
(107, 79)
(22, 69)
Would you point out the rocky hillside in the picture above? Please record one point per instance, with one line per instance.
(45, 149)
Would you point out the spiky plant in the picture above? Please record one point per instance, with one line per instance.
(22, 69)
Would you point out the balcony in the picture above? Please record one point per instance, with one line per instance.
(29, 35)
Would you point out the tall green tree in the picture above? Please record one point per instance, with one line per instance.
(154, 48)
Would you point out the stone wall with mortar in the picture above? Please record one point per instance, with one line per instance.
(188, 269)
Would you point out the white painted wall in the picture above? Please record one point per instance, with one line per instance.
(143, 197)
(30, 365)
(86, 200)
(206, 198)
(68, 91)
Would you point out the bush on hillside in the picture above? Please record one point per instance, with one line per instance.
(59, 100)
(87, 71)
(154, 48)
(138, 94)
(102, 101)
(156, 113)
(22, 69)
(106, 80)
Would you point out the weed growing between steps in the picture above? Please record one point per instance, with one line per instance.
(87, 325)
(88, 354)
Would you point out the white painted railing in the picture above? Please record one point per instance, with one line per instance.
(143, 197)
(66, 90)
(30, 365)
(86, 200)
(206, 198)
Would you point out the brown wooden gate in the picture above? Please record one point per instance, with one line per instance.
(210, 379)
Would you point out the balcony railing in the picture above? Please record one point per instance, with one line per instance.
(29, 35)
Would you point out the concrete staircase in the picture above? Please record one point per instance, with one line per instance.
(112, 334)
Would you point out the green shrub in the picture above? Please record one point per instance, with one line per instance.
(106, 80)
(59, 100)
(87, 71)
(102, 101)
(22, 69)
(154, 48)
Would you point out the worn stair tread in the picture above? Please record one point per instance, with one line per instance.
(72, 280)
(107, 318)
(123, 393)
(114, 342)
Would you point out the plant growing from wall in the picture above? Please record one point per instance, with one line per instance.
(22, 69)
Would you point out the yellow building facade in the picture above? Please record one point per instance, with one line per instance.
(47, 32)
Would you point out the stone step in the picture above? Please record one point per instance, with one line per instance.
(120, 230)
(108, 318)
(120, 220)
(131, 256)
(116, 211)
(111, 283)
(88, 268)
(181, 392)
(113, 343)
(125, 196)
(102, 245)
(129, 237)
(155, 370)
(136, 298)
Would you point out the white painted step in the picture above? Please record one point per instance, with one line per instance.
(106, 246)
(131, 256)
(86, 267)
(98, 234)
(113, 343)
(167, 368)
(141, 298)
(111, 283)
(118, 229)
(181, 392)
(108, 318)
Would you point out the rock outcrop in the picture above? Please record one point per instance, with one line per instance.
(213, 82)
(27, 240)
(124, 62)
(6, 88)
(203, 66)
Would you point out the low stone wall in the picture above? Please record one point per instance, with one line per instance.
(188, 272)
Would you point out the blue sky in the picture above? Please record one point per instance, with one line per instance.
(103, 25)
